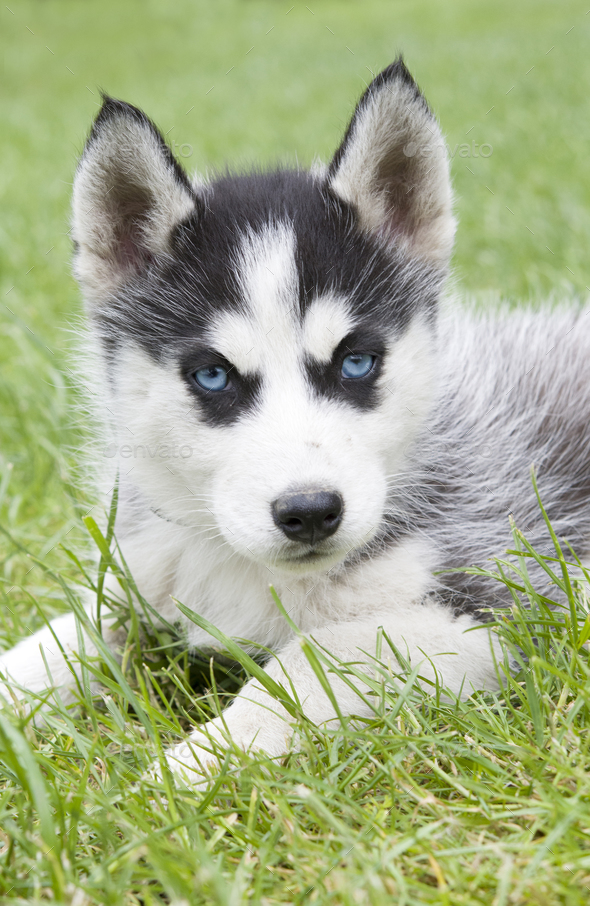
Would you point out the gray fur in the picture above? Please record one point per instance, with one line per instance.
(513, 394)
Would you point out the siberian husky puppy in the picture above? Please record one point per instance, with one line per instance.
(286, 404)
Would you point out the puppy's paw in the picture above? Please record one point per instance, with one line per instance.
(197, 759)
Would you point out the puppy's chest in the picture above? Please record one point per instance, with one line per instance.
(236, 596)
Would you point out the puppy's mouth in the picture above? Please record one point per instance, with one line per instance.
(312, 556)
(316, 557)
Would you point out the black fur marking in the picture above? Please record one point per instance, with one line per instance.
(327, 379)
(381, 286)
(221, 407)
(179, 297)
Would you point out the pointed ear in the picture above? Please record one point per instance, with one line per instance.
(392, 167)
(129, 194)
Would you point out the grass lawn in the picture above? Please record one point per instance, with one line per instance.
(485, 802)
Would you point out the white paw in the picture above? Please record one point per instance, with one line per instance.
(197, 759)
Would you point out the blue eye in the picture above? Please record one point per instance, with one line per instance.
(357, 365)
(212, 377)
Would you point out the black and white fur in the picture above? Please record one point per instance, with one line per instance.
(278, 277)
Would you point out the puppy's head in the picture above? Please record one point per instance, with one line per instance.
(267, 339)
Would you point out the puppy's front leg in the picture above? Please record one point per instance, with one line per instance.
(428, 635)
(37, 662)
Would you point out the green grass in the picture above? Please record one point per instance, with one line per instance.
(484, 802)
(431, 800)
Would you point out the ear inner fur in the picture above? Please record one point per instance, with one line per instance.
(392, 167)
(129, 196)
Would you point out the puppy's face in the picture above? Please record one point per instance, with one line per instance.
(268, 338)
(275, 414)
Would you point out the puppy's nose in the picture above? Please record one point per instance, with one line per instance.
(308, 516)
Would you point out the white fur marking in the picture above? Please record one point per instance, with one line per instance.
(265, 336)
(326, 324)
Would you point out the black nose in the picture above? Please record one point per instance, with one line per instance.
(308, 516)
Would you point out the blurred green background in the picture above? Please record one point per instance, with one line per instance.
(266, 80)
